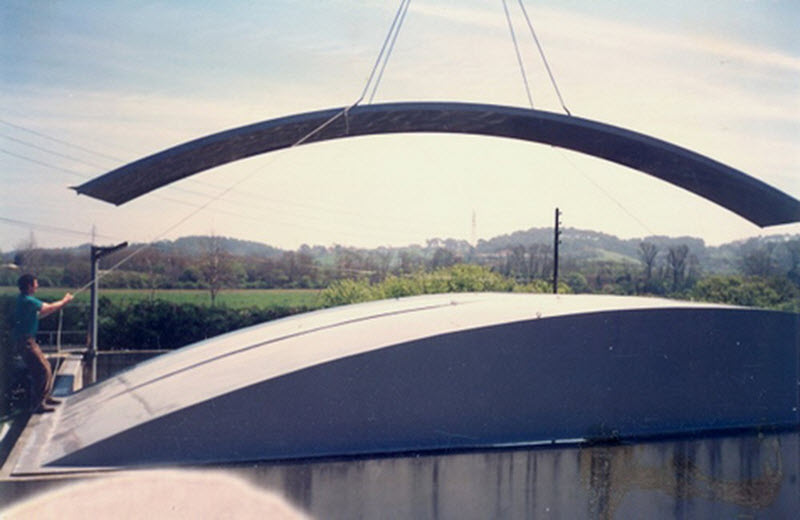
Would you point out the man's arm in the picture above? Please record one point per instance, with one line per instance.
(49, 308)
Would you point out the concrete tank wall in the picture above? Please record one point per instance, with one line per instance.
(743, 476)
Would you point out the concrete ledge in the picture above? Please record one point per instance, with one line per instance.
(69, 377)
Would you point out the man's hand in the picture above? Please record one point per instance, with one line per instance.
(49, 308)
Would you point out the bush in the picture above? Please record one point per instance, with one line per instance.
(165, 325)
(770, 293)
(457, 278)
(342, 292)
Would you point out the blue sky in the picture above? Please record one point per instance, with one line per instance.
(89, 86)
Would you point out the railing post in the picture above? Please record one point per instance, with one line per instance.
(96, 253)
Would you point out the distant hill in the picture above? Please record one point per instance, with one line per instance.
(590, 245)
(198, 245)
(576, 244)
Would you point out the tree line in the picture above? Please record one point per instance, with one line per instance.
(757, 272)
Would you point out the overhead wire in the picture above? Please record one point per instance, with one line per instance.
(57, 140)
(222, 193)
(85, 176)
(118, 160)
(51, 152)
(238, 214)
(47, 227)
(180, 189)
(563, 105)
(604, 191)
(42, 163)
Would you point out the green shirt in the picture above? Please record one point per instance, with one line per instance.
(26, 317)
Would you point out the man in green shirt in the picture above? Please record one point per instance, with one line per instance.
(26, 324)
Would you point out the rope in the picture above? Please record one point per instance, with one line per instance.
(544, 59)
(404, 8)
(519, 56)
(343, 112)
(203, 206)
(59, 359)
(397, 16)
(58, 334)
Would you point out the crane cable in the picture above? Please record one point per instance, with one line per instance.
(404, 9)
(519, 56)
(563, 105)
(390, 38)
(544, 58)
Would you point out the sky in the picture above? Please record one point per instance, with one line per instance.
(86, 87)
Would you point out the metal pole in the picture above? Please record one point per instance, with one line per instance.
(556, 242)
(96, 254)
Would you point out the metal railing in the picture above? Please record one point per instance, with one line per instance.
(69, 338)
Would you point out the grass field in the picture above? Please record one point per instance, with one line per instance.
(234, 298)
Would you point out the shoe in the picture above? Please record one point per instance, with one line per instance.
(52, 401)
(43, 409)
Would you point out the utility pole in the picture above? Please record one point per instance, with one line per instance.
(96, 253)
(556, 242)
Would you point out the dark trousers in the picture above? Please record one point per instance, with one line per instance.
(41, 373)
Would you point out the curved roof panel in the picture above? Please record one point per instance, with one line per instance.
(436, 372)
(727, 187)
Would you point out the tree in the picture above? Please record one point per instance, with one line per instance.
(676, 260)
(759, 260)
(577, 282)
(410, 261)
(793, 271)
(517, 265)
(28, 256)
(540, 260)
(215, 267)
(155, 270)
(443, 258)
(648, 252)
(772, 293)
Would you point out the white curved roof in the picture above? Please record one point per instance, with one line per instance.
(161, 390)
(238, 359)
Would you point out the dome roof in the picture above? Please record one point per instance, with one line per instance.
(436, 372)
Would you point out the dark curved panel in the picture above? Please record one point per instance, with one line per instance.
(727, 187)
(594, 376)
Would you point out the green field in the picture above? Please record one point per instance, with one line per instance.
(234, 298)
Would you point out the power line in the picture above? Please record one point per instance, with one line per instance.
(603, 191)
(199, 194)
(45, 227)
(42, 163)
(61, 141)
(46, 150)
(237, 183)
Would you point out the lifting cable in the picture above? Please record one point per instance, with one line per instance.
(404, 8)
(541, 53)
(544, 58)
(519, 56)
(390, 38)
(563, 105)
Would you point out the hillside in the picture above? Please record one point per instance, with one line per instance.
(524, 255)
